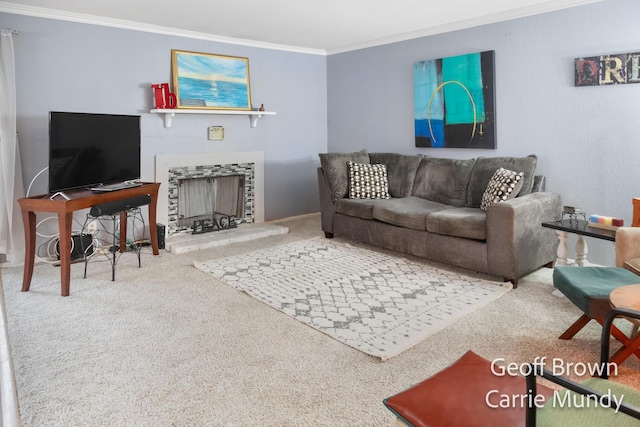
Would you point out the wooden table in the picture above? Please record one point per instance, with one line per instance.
(627, 297)
(581, 228)
(77, 200)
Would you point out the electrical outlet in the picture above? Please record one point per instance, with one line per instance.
(92, 227)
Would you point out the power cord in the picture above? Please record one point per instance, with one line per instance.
(52, 245)
(33, 180)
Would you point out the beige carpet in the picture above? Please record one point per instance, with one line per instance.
(165, 345)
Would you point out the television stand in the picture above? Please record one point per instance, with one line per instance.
(65, 206)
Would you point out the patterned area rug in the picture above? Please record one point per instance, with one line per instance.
(377, 303)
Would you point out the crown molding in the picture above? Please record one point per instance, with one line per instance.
(517, 13)
(41, 12)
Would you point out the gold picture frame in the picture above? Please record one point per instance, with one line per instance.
(210, 81)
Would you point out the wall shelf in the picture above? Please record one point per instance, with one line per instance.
(169, 114)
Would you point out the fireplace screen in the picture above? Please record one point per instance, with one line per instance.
(209, 198)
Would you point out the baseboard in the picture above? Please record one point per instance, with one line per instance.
(293, 218)
(10, 412)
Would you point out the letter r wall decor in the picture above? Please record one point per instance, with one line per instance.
(454, 101)
(614, 69)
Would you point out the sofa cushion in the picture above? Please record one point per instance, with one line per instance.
(409, 212)
(444, 180)
(334, 166)
(503, 185)
(485, 167)
(359, 208)
(401, 171)
(367, 181)
(469, 223)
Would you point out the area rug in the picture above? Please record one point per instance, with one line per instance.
(378, 303)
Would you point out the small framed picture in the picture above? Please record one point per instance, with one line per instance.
(209, 81)
(216, 133)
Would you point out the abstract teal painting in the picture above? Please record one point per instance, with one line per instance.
(454, 101)
(202, 80)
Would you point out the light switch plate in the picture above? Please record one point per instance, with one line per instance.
(216, 132)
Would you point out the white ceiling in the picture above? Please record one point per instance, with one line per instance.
(321, 26)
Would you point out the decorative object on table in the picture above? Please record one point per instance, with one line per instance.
(261, 107)
(572, 213)
(454, 101)
(207, 81)
(163, 97)
(614, 69)
(606, 222)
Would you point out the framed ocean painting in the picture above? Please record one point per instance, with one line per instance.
(208, 81)
(454, 102)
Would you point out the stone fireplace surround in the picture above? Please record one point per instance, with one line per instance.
(165, 163)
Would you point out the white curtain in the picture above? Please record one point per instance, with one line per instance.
(11, 187)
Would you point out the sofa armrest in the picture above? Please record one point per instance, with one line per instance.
(516, 241)
(627, 244)
(327, 207)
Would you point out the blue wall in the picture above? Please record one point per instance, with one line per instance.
(67, 66)
(587, 139)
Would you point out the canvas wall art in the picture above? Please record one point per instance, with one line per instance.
(454, 102)
(614, 69)
(208, 81)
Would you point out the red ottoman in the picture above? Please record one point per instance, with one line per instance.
(467, 393)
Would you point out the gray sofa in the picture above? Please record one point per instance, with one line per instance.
(434, 211)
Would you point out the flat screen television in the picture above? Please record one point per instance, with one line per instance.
(88, 150)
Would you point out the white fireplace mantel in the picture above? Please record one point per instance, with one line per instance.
(166, 162)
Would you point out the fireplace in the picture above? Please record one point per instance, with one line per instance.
(207, 186)
(207, 192)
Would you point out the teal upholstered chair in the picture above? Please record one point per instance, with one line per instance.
(589, 287)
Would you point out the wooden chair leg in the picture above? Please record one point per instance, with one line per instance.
(629, 345)
(575, 328)
(625, 351)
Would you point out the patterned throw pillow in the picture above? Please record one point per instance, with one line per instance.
(504, 185)
(368, 181)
